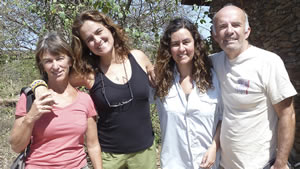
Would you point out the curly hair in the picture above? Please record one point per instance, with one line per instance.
(164, 69)
(55, 44)
(85, 61)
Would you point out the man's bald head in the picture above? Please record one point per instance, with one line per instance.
(231, 30)
(232, 7)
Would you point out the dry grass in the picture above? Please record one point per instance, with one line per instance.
(14, 75)
(6, 121)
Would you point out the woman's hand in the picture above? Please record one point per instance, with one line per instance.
(209, 157)
(41, 105)
(23, 125)
(151, 75)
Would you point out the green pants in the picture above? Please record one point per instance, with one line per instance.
(145, 159)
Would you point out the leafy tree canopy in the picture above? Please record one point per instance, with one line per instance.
(23, 21)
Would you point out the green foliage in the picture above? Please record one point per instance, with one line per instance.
(17, 74)
(55, 15)
(143, 20)
(155, 124)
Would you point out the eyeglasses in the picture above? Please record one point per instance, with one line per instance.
(120, 103)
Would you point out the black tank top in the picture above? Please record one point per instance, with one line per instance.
(128, 128)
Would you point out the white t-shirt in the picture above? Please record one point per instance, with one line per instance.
(250, 84)
(188, 125)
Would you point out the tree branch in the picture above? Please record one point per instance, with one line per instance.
(27, 26)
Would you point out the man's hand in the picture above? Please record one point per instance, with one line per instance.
(279, 166)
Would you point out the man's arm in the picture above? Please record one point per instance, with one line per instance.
(286, 131)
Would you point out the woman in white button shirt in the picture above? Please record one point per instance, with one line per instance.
(188, 99)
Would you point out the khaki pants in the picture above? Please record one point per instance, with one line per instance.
(145, 159)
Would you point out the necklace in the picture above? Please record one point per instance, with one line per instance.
(115, 72)
(125, 72)
(123, 79)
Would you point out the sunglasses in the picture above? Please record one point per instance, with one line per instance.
(117, 104)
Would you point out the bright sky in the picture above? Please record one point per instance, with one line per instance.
(204, 29)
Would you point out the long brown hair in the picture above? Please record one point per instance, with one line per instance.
(164, 69)
(85, 61)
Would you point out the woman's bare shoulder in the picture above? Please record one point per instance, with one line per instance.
(77, 80)
(141, 58)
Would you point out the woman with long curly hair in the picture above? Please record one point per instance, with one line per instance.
(118, 84)
(188, 99)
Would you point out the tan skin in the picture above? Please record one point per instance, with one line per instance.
(64, 94)
(182, 50)
(232, 38)
(100, 41)
(230, 31)
(185, 68)
(286, 131)
(110, 72)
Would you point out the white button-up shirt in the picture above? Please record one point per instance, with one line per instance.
(188, 125)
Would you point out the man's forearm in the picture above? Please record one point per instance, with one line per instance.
(286, 131)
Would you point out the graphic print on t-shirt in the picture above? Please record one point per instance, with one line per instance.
(242, 86)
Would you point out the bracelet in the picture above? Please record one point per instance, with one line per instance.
(38, 83)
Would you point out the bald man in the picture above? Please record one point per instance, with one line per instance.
(259, 119)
